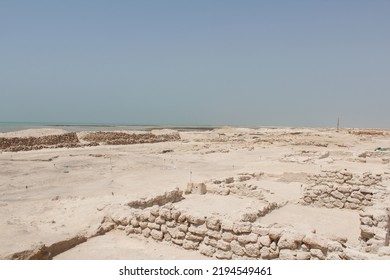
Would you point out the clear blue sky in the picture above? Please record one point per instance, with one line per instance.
(221, 62)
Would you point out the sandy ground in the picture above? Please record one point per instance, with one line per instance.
(52, 194)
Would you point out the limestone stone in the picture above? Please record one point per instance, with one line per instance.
(225, 246)
(228, 236)
(315, 242)
(190, 245)
(223, 255)
(337, 195)
(159, 220)
(134, 222)
(338, 204)
(210, 241)
(252, 250)
(206, 250)
(194, 237)
(214, 234)
(344, 189)
(196, 219)
(146, 232)
(367, 232)
(317, 253)
(275, 233)
(171, 224)
(156, 234)
(213, 223)
(227, 225)
(183, 227)
(200, 230)
(137, 230)
(164, 229)
(165, 214)
(286, 254)
(175, 214)
(265, 241)
(303, 255)
(175, 233)
(290, 240)
(334, 246)
(143, 225)
(260, 230)
(384, 251)
(178, 241)
(154, 226)
(247, 238)
(237, 248)
(242, 227)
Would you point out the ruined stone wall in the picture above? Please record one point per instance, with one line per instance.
(15, 144)
(374, 228)
(217, 237)
(123, 138)
(341, 189)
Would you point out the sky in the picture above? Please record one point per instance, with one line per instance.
(215, 62)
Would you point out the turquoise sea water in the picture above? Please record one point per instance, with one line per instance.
(75, 127)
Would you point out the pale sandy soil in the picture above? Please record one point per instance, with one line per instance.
(52, 194)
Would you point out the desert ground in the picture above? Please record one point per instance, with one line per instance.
(225, 193)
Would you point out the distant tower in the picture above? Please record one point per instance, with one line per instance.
(338, 125)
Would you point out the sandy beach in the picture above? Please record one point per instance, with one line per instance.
(225, 193)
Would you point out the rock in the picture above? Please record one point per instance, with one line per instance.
(194, 237)
(197, 220)
(210, 241)
(175, 233)
(154, 226)
(200, 230)
(366, 232)
(190, 245)
(317, 253)
(146, 232)
(206, 250)
(265, 241)
(223, 255)
(227, 225)
(337, 195)
(225, 246)
(260, 230)
(384, 251)
(229, 180)
(159, 221)
(214, 234)
(196, 188)
(286, 254)
(242, 227)
(156, 234)
(177, 241)
(213, 223)
(303, 255)
(143, 225)
(237, 248)
(334, 246)
(290, 240)
(275, 233)
(252, 250)
(247, 238)
(344, 189)
(183, 228)
(338, 204)
(165, 214)
(315, 242)
(228, 236)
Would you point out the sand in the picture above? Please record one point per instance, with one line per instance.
(51, 195)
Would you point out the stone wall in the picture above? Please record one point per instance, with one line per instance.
(15, 144)
(168, 197)
(216, 237)
(374, 228)
(123, 138)
(341, 189)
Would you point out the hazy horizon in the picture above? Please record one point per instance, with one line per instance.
(238, 63)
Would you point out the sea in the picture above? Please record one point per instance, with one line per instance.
(76, 127)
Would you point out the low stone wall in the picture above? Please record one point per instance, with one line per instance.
(217, 237)
(374, 228)
(168, 197)
(15, 144)
(236, 185)
(341, 189)
(123, 138)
